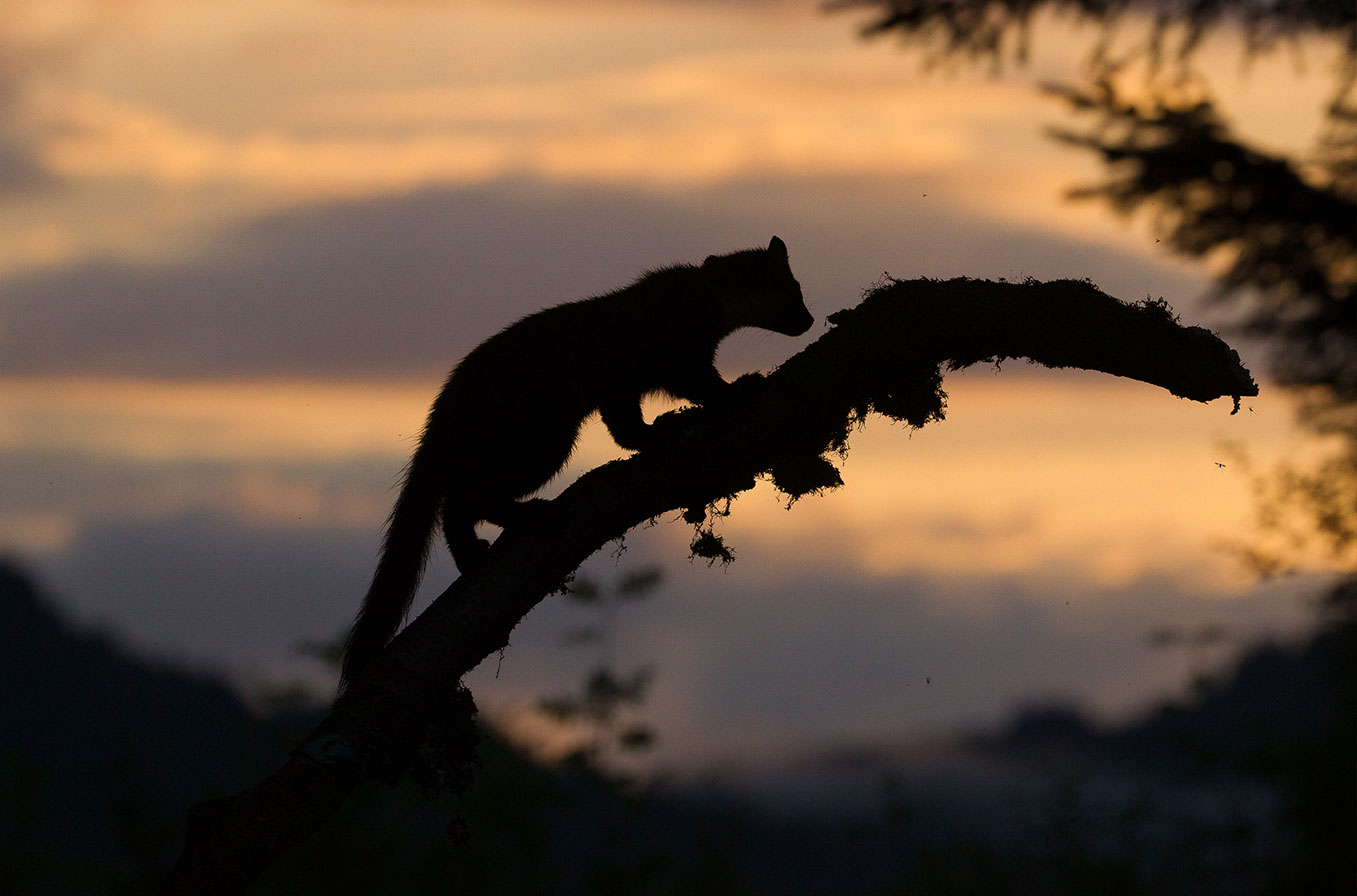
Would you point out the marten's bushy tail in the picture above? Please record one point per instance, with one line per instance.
(404, 554)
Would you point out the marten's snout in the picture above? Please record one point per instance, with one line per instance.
(800, 325)
(795, 318)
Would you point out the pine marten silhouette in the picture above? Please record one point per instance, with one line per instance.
(508, 416)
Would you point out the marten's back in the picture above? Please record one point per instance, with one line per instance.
(556, 364)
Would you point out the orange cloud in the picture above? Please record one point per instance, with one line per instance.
(692, 122)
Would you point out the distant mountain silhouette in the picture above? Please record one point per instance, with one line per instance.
(1279, 724)
(1274, 697)
(101, 752)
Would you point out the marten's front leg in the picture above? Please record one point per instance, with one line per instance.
(707, 388)
(468, 551)
(622, 416)
(702, 385)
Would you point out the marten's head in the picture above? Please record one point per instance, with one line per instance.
(755, 288)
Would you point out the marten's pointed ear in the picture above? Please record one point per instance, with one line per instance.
(708, 260)
(777, 248)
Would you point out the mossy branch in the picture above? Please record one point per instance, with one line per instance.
(407, 710)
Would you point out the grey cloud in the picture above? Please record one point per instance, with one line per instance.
(387, 286)
(22, 55)
(88, 486)
(406, 284)
(212, 590)
(21, 172)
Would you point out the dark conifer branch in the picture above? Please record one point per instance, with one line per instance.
(407, 712)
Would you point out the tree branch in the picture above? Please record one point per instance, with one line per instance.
(883, 356)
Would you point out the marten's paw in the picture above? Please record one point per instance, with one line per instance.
(672, 428)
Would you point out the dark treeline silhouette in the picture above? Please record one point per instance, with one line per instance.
(100, 751)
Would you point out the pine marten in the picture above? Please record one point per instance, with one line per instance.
(508, 416)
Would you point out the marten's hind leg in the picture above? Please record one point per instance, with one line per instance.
(468, 551)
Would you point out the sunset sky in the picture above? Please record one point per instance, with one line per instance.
(241, 243)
